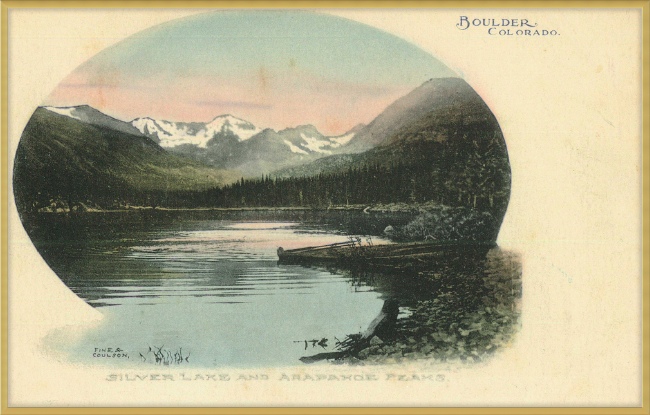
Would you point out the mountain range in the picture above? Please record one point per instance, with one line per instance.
(441, 135)
(304, 139)
(226, 142)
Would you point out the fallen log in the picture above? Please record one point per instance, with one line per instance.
(392, 255)
(382, 327)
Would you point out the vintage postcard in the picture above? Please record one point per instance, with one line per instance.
(324, 207)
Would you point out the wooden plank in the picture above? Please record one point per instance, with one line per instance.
(313, 248)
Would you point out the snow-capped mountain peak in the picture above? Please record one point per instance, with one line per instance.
(90, 115)
(342, 140)
(306, 139)
(241, 128)
(316, 144)
(293, 148)
(67, 111)
(173, 134)
(225, 142)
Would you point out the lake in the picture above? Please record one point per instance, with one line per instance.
(205, 289)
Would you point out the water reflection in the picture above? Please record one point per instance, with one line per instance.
(209, 285)
(453, 309)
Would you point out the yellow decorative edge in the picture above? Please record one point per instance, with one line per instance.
(644, 5)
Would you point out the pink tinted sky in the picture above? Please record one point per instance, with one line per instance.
(276, 69)
(267, 100)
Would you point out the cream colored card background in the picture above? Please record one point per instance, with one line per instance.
(570, 110)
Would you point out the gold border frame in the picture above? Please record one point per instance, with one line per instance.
(644, 5)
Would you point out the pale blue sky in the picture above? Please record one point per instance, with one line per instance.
(275, 68)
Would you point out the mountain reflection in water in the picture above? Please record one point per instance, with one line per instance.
(208, 285)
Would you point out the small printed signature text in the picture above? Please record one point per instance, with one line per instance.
(110, 353)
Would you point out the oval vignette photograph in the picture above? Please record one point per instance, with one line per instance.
(254, 189)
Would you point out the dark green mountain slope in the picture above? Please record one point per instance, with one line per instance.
(441, 141)
(64, 160)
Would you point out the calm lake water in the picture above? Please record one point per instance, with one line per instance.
(205, 288)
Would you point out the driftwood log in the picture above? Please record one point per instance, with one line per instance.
(382, 327)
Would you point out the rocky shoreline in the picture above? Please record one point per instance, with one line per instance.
(463, 314)
(475, 339)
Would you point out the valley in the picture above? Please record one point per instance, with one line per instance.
(439, 146)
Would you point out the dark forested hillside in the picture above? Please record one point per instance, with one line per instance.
(446, 140)
(405, 182)
(439, 145)
(64, 161)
